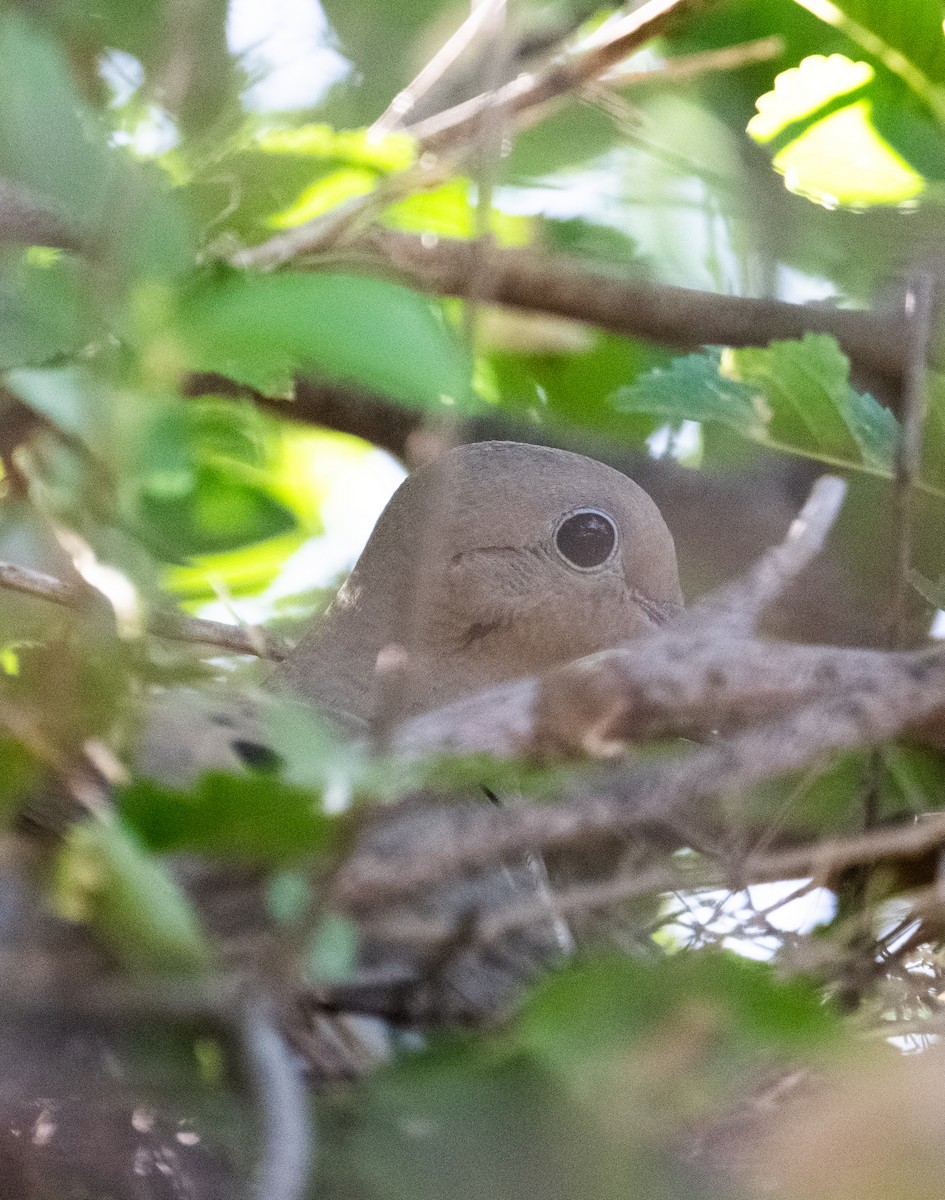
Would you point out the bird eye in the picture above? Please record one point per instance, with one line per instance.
(586, 539)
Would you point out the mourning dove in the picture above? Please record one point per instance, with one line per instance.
(497, 561)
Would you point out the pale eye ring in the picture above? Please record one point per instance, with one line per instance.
(586, 539)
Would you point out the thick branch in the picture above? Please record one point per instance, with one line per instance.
(665, 799)
(565, 286)
(173, 626)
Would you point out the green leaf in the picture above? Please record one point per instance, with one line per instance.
(906, 39)
(806, 386)
(819, 123)
(106, 878)
(43, 143)
(692, 388)
(263, 329)
(218, 512)
(793, 395)
(585, 1015)
(254, 818)
(41, 313)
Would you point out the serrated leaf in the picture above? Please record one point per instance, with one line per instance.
(105, 878)
(692, 389)
(806, 386)
(263, 329)
(793, 395)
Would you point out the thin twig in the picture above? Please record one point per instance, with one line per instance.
(173, 626)
(691, 66)
(736, 609)
(609, 45)
(284, 1166)
(918, 305)
(405, 100)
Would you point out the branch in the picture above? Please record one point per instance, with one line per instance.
(736, 609)
(173, 626)
(610, 45)
(282, 1172)
(666, 800)
(565, 286)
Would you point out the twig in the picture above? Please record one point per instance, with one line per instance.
(565, 286)
(669, 799)
(689, 66)
(918, 306)
(611, 44)
(736, 609)
(282, 1172)
(393, 116)
(172, 626)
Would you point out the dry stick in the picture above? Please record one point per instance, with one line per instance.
(610, 45)
(737, 608)
(173, 626)
(664, 798)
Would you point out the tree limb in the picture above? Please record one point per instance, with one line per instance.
(174, 626)
(565, 286)
(604, 49)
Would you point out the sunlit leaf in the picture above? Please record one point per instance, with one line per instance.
(451, 211)
(354, 147)
(818, 119)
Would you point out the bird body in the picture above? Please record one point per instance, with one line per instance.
(496, 561)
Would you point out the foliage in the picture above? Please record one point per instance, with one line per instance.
(154, 450)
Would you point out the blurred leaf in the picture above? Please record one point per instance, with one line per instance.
(218, 512)
(581, 1021)
(105, 878)
(794, 395)
(70, 398)
(909, 43)
(41, 313)
(909, 781)
(332, 955)
(19, 775)
(263, 329)
(467, 1121)
(255, 818)
(574, 389)
(450, 211)
(588, 239)
(42, 140)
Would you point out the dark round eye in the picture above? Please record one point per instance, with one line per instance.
(586, 539)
